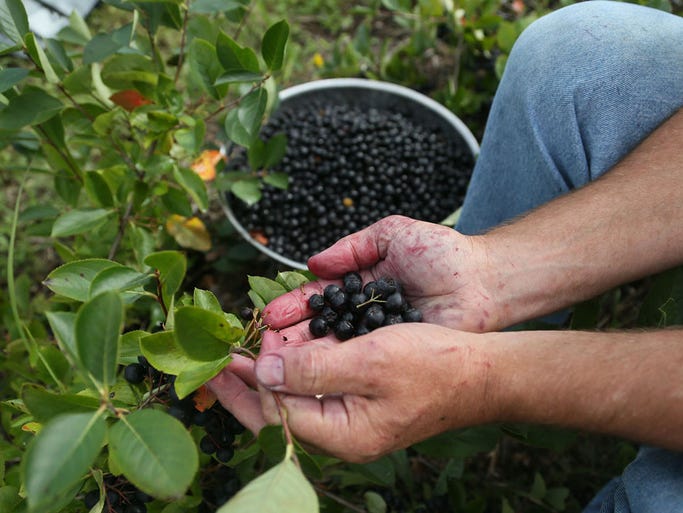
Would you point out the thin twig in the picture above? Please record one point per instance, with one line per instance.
(122, 229)
(183, 39)
(340, 500)
(288, 434)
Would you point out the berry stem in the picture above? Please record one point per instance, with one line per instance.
(288, 434)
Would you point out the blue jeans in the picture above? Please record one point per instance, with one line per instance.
(582, 87)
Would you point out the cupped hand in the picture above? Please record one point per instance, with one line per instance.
(443, 273)
(380, 392)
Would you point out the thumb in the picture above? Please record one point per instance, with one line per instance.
(314, 369)
(358, 250)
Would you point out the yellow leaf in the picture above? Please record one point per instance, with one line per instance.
(189, 233)
(205, 164)
(32, 427)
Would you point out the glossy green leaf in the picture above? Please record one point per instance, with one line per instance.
(60, 456)
(75, 222)
(243, 123)
(204, 62)
(123, 71)
(238, 77)
(9, 498)
(35, 50)
(192, 183)
(203, 335)
(31, 107)
(282, 489)
(98, 326)
(13, 20)
(233, 57)
(98, 189)
(155, 452)
(215, 6)
(73, 279)
(207, 300)
(248, 190)
(291, 279)
(129, 346)
(194, 376)
(279, 180)
(10, 77)
(119, 279)
(45, 405)
(275, 149)
(273, 45)
(171, 266)
(266, 288)
(164, 353)
(63, 325)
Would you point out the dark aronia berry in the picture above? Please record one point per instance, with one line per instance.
(337, 301)
(319, 326)
(134, 373)
(207, 445)
(343, 330)
(91, 498)
(395, 303)
(353, 283)
(374, 317)
(412, 315)
(316, 302)
(330, 291)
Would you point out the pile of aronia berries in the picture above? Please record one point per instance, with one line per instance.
(220, 428)
(356, 309)
(349, 166)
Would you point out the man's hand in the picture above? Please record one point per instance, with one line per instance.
(443, 273)
(380, 392)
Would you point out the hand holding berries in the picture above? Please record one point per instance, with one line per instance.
(351, 312)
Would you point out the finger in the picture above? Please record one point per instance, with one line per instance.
(292, 307)
(325, 425)
(323, 368)
(359, 250)
(236, 397)
(243, 368)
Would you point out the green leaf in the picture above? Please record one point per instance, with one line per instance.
(248, 190)
(155, 452)
(238, 77)
(538, 488)
(13, 20)
(374, 502)
(35, 50)
(97, 329)
(215, 6)
(192, 183)
(31, 107)
(207, 300)
(192, 377)
(233, 57)
(119, 279)
(204, 62)
(164, 353)
(171, 266)
(266, 288)
(10, 77)
(62, 325)
(76, 222)
(275, 150)
(129, 71)
(129, 346)
(279, 180)
(273, 45)
(44, 405)
(98, 189)
(243, 123)
(204, 335)
(9, 497)
(60, 456)
(73, 279)
(291, 279)
(104, 45)
(283, 488)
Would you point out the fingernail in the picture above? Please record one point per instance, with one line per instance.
(270, 370)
